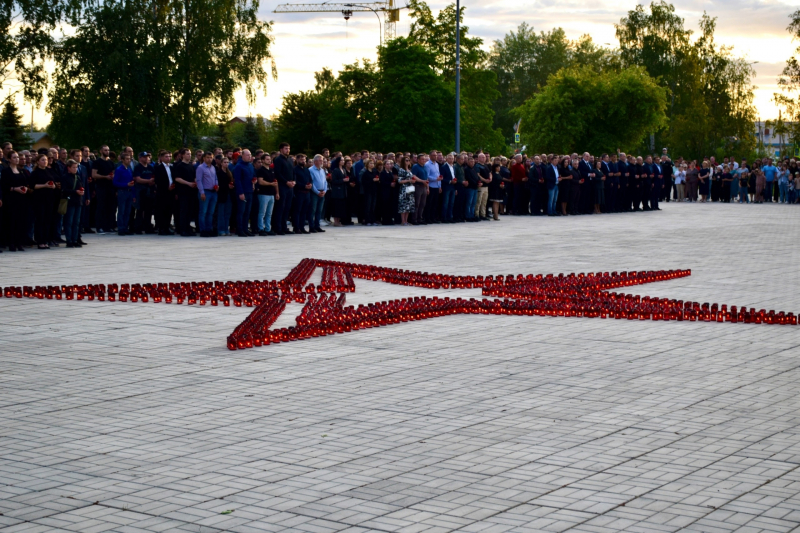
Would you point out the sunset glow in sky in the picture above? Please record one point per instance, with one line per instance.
(305, 43)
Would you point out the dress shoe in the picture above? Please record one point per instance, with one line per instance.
(312, 230)
(246, 232)
(262, 233)
(320, 230)
(88, 230)
(80, 241)
(280, 233)
(240, 234)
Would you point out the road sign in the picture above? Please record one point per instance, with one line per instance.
(516, 137)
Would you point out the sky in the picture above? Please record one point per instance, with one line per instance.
(307, 42)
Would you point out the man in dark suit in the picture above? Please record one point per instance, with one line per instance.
(657, 186)
(448, 173)
(624, 198)
(647, 178)
(535, 184)
(551, 181)
(284, 172)
(587, 189)
(165, 193)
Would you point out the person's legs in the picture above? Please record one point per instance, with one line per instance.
(552, 196)
(447, 205)
(268, 213)
(262, 211)
(222, 213)
(469, 207)
(242, 214)
(69, 219)
(201, 214)
(433, 205)
(419, 203)
(483, 197)
(784, 193)
(316, 211)
(301, 212)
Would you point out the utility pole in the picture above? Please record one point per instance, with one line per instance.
(458, 76)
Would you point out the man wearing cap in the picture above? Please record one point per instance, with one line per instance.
(145, 189)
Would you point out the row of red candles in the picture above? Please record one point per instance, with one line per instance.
(336, 319)
(336, 279)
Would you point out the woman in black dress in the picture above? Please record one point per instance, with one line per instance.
(370, 178)
(44, 194)
(387, 193)
(14, 185)
(338, 192)
(496, 190)
(704, 176)
(564, 184)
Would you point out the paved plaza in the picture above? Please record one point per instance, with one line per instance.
(136, 417)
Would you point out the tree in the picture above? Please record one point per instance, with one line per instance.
(11, 129)
(438, 36)
(524, 60)
(26, 42)
(478, 85)
(156, 74)
(581, 110)
(416, 112)
(789, 84)
(706, 84)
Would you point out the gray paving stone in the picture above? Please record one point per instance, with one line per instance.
(472, 423)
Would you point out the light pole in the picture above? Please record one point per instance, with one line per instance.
(380, 26)
(458, 76)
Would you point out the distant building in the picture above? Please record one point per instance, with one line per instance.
(39, 139)
(242, 120)
(774, 143)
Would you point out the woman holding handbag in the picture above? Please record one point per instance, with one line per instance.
(405, 203)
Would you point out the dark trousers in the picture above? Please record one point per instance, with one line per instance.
(645, 191)
(17, 212)
(611, 197)
(164, 206)
(535, 200)
(302, 208)
(185, 212)
(459, 204)
(106, 198)
(432, 205)
(370, 204)
(519, 206)
(145, 205)
(44, 218)
(448, 200)
(420, 198)
(655, 194)
(283, 208)
(243, 212)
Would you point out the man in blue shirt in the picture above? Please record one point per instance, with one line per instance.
(770, 171)
(319, 186)
(434, 187)
(123, 182)
(420, 181)
(243, 176)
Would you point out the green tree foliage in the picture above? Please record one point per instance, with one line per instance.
(789, 84)
(156, 74)
(415, 106)
(11, 128)
(26, 42)
(707, 85)
(579, 109)
(524, 60)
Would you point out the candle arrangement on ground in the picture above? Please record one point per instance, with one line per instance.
(325, 311)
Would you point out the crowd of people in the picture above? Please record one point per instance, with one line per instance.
(53, 196)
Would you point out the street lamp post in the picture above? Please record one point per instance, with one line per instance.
(458, 76)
